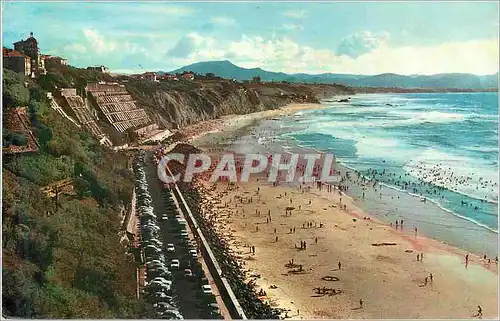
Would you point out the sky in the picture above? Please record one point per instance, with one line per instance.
(292, 37)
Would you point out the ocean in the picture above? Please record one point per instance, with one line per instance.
(437, 147)
(441, 147)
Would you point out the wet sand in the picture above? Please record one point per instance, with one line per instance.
(388, 278)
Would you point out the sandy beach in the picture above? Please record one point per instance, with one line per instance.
(378, 262)
(233, 122)
(389, 279)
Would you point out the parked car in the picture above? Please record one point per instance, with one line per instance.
(170, 314)
(214, 307)
(161, 295)
(170, 247)
(163, 283)
(158, 286)
(188, 272)
(175, 264)
(193, 254)
(206, 289)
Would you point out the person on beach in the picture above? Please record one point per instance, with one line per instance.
(479, 311)
(425, 281)
(360, 303)
(415, 231)
(418, 257)
(340, 265)
(466, 259)
(431, 277)
(276, 239)
(421, 257)
(316, 240)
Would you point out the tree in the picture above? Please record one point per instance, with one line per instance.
(19, 139)
(15, 94)
(44, 135)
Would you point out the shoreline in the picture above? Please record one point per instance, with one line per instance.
(237, 124)
(435, 249)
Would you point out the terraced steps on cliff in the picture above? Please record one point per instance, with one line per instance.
(118, 107)
(58, 108)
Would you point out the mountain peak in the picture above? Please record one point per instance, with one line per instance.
(226, 69)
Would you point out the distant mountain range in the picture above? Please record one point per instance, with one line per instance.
(227, 69)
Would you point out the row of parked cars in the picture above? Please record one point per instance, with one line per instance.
(158, 284)
(196, 291)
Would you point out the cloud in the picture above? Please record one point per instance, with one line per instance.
(361, 43)
(297, 14)
(97, 41)
(285, 55)
(280, 54)
(292, 26)
(223, 21)
(193, 45)
(76, 48)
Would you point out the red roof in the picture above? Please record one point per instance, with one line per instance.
(6, 52)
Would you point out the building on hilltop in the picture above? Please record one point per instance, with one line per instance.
(54, 61)
(102, 69)
(167, 76)
(149, 75)
(16, 61)
(29, 47)
(187, 75)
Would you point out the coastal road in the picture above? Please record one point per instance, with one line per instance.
(187, 289)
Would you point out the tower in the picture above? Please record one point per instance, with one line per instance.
(29, 47)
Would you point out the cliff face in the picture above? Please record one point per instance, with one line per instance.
(176, 104)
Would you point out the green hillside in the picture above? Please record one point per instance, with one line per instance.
(62, 256)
